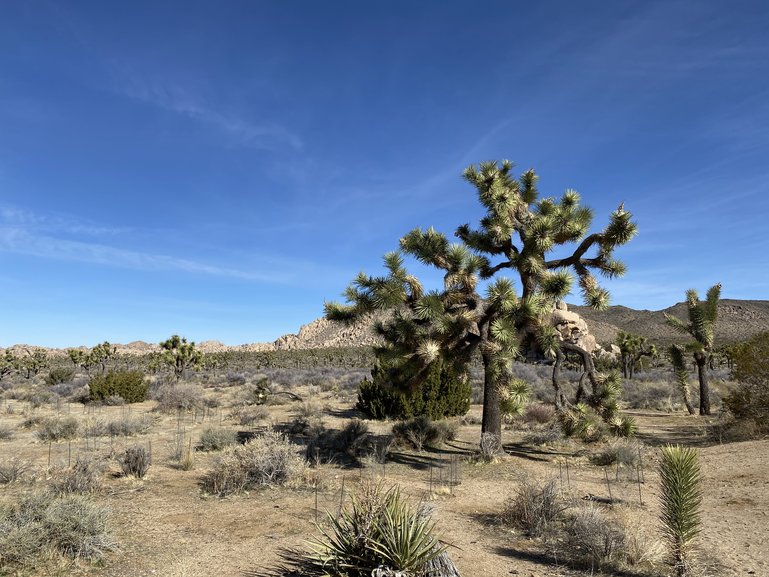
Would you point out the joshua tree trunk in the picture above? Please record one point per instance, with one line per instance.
(702, 374)
(492, 410)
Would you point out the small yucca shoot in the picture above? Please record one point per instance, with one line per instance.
(680, 499)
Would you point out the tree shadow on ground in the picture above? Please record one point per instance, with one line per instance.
(549, 560)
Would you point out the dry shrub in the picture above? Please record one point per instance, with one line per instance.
(135, 461)
(175, 397)
(129, 426)
(421, 431)
(58, 429)
(6, 432)
(549, 435)
(12, 470)
(626, 453)
(268, 459)
(353, 442)
(82, 478)
(593, 537)
(539, 413)
(40, 524)
(247, 415)
(533, 507)
(216, 439)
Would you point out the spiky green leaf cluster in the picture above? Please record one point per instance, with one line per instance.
(379, 530)
(680, 498)
(702, 317)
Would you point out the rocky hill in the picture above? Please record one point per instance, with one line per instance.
(737, 320)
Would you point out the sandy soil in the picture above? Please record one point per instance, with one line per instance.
(167, 527)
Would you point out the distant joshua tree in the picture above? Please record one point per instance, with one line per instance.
(701, 327)
(180, 355)
(632, 349)
(518, 232)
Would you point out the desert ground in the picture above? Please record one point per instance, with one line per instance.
(166, 525)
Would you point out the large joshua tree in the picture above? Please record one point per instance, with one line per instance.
(520, 232)
(701, 327)
(517, 232)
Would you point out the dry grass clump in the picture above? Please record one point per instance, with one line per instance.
(534, 507)
(129, 426)
(82, 478)
(6, 433)
(13, 470)
(592, 537)
(58, 429)
(135, 461)
(622, 452)
(41, 524)
(268, 459)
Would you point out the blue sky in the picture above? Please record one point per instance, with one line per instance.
(219, 169)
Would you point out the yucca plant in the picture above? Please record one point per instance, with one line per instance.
(680, 499)
(379, 530)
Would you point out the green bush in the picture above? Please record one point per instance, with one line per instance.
(59, 375)
(421, 431)
(445, 393)
(216, 439)
(130, 385)
(750, 399)
(58, 429)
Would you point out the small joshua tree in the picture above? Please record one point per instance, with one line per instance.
(633, 348)
(680, 498)
(180, 355)
(701, 326)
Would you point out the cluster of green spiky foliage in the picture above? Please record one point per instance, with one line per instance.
(632, 348)
(28, 364)
(7, 364)
(678, 360)
(445, 393)
(180, 355)
(702, 317)
(380, 530)
(97, 356)
(681, 498)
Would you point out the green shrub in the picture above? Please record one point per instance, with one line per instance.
(129, 385)
(353, 441)
(59, 375)
(750, 399)
(445, 393)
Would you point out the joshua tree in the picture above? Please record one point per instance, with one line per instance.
(701, 326)
(682, 375)
(456, 321)
(33, 362)
(519, 231)
(8, 364)
(179, 355)
(633, 348)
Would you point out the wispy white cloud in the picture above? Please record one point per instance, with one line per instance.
(20, 241)
(20, 217)
(176, 99)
